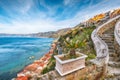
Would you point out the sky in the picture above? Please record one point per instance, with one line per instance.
(33, 16)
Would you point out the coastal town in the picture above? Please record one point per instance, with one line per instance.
(59, 39)
(37, 66)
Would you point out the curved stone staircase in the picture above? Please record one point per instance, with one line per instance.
(114, 60)
(105, 40)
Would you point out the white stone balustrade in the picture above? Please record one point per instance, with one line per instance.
(117, 32)
(101, 47)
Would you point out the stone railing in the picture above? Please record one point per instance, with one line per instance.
(101, 47)
(117, 38)
(117, 33)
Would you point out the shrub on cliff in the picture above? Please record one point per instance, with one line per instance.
(50, 66)
(81, 40)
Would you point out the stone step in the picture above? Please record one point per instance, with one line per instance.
(109, 32)
(113, 78)
(113, 71)
(112, 50)
(112, 34)
(108, 40)
(117, 59)
(110, 29)
(107, 37)
(110, 44)
(113, 54)
(111, 58)
(111, 47)
(114, 64)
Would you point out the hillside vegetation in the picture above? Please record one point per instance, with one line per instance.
(78, 33)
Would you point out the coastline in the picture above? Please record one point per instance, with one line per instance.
(35, 68)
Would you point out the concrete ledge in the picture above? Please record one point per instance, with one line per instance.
(70, 60)
(62, 74)
(68, 66)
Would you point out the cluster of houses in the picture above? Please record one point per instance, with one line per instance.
(101, 18)
(36, 67)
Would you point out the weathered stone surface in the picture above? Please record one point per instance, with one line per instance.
(53, 75)
(68, 66)
(106, 33)
(88, 73)
(34, 78)
(114, 64)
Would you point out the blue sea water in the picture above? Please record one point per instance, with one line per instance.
(15, 53)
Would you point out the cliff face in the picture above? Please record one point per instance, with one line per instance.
(91, 72)
(44, 34)
(51, 34)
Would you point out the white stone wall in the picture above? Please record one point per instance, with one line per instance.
(73, 65)
(68, 66)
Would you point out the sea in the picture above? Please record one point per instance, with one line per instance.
(16, 53)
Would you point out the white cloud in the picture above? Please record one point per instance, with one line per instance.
(71, 2)
(43, 23)
(38, 25)
(66, 2)
(92, 10)
(26, 8)
(51, 10)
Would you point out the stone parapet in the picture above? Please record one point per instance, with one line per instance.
(100, 46)
(117, 38)
(91, 72)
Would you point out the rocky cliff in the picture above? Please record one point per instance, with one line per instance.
(51, 34)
